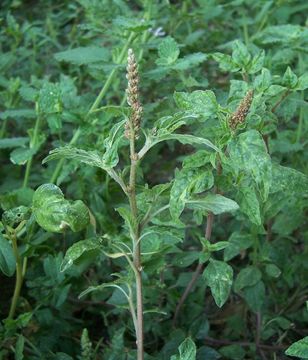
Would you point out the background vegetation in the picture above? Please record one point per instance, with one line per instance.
(63, 82)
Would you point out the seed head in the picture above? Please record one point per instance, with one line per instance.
(132, 92)
(239, 116)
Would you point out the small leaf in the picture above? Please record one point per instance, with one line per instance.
(302, 82)
(237, 243)
(219, 276)
(77, 250)
(215, 203)
(20, 156)
(19, 348)
(290, 79)
(55, 214)
(226, 62)
(168, 51)
(299, 349)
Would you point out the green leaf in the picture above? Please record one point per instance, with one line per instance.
(219, 276)
(302, 82)
(254, 296)
(200, 102)
(77, 250)
(49, 101)
(83, 55)
(272, 270)
(7, 258)
(289, 79)
(215, 203)
(248, 156)
(55, 214)
(284, 34)
(131, 24)
(187, 351)
(263, 81)
(13, 142)
(18, 114)
(92, 158)
(249, 203)
(248, 276)
(188, 181)
(240, 54)
(19, 348)
(168, 51)
(237, 243)
(226, 62)
(256, 63)
(232, 352)
(20, 156)
(111, 144)
(189, 61)
(299, 349)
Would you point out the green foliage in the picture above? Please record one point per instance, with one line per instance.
(208, 205)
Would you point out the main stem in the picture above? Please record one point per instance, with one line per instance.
(19, 277)
(136, 243)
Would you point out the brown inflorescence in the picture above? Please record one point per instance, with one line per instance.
(132, 92)
(239, 116)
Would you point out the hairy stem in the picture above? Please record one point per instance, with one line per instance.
(94, 106)
(19, 277)
(136, 244)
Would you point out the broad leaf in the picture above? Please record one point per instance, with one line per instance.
(219, 277)
(248, 276)
(237, 242)
(168, 51)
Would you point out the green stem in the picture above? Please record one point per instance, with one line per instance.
(33, 143)
(3, 128)
(95, 105)
(19, 277)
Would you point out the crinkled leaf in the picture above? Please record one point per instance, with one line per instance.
(168, 51)
(55, 214)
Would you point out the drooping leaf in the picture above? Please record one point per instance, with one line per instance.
(77, 250)
(55, 214)
(219, 277)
